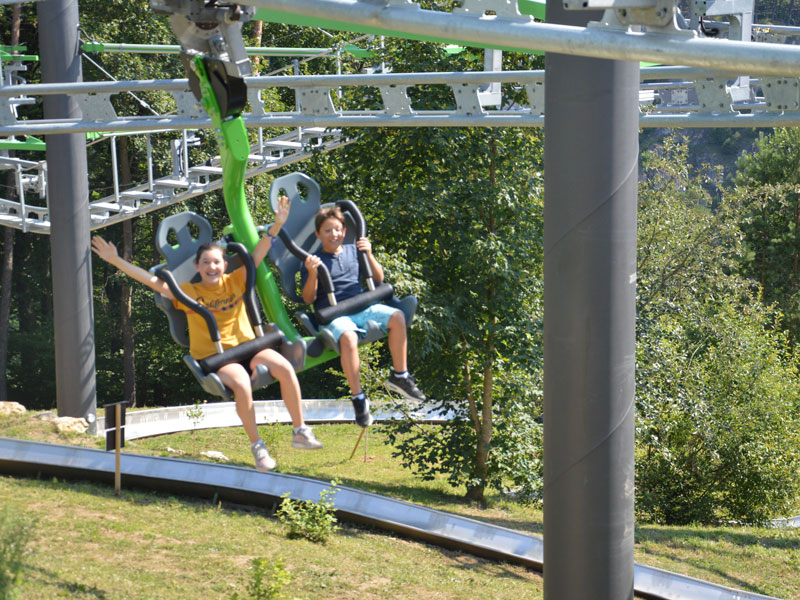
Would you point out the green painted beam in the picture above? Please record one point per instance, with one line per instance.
(7, 56)
(535, 8)
(29, 143)
(275, 16)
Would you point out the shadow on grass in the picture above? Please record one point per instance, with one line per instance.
(456, 558)
(733, 545)
(687, 536)
(728, 579)
(70, 589)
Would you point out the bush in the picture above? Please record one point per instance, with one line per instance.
(15, 536)
(718, 426)
(267, 580)
(314, 521)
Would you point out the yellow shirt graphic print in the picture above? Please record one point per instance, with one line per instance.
(225, 303)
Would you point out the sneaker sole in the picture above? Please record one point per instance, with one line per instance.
(398, 390)
(266, 469)
(301, 446)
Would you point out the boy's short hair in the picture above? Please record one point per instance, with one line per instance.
(331, 212)
(204, 248)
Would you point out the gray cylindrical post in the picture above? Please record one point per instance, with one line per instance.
(591, 159)
(68, 195)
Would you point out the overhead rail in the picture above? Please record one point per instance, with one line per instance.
(511, 30)
(247, 486)
(174, 49)
(669, 97)
(773, 100)
(706, 101)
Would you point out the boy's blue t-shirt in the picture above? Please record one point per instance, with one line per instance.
(344, 271)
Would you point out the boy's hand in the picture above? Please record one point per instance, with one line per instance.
(364, 245)
(284, 204)
(105, 250)
(312, 263)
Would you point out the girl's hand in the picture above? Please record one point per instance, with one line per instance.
(284, 205)
(364, 245)
(105, 250)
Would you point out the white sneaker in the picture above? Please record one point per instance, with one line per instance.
(264, 462)
(304, 438)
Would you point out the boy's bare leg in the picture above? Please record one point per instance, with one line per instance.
(236, 378)
(351, 362)
(282, 370)
(398, 342)
(400, 381)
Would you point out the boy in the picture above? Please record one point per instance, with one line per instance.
(216, 289)
(342, 263)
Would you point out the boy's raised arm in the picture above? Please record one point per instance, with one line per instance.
(312, 262)
(108, 252)
(365, 245)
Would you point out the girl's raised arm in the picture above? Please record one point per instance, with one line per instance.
(108, 252)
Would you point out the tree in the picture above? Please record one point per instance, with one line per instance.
(462, 209)
(717, 384)
(767, 184)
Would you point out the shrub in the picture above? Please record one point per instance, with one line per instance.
(15, 536)
(314, 521)
(718, 430)
(267, 580)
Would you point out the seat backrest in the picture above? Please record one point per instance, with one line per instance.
(305, 196)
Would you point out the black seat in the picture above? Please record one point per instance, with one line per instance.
(190, 231)
(297, 239)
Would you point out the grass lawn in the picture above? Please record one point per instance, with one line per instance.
(87, 543)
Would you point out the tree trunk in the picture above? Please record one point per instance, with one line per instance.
(258, 32)
(796, 232)
(8, 250)
(128, 347)
(5, 299)
(484, 424)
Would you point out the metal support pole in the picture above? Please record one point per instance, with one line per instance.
(591, 160)
(76, 393)
(117, 448)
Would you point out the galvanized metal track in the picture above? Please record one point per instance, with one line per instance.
(677, 96)
(159, 421)
(522, 33)
(669, 97)
(247, 486)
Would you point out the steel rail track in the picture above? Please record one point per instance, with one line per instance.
(241, 485)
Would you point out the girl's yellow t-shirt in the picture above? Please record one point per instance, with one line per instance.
(225, 302)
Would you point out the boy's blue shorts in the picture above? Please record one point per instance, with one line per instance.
(379, 313)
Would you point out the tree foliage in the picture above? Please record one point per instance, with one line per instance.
(717, 399)
(767, 186)
(462, 208)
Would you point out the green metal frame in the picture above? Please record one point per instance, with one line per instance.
(6, 54)
(536, 8)
(234, 148)
(29, 143)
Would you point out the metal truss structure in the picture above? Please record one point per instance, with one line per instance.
(730, 93)
(184, 182)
